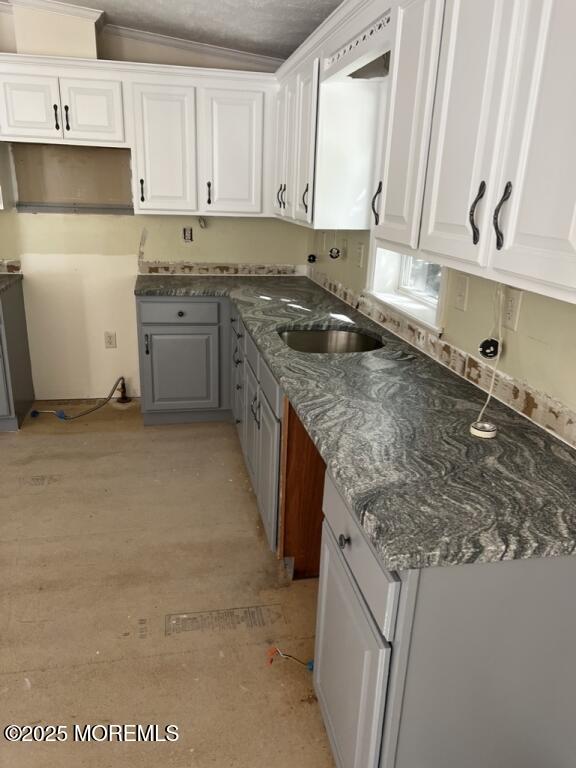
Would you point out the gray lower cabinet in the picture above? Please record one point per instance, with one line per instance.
(268, 469)
(16, 386)
(251, 431)
(181, 367)
(237, 363)
(351, 664)
(184, 346)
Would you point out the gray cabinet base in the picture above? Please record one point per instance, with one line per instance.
(9, 425)
(185, 417)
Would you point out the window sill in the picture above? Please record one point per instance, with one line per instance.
(415, 310)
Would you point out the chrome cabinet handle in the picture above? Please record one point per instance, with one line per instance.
(66, 112)
(56, 123)
(305, 198)
(496, 218)
(374, 211)
(471, 215)
(343, 541)
(146, 344)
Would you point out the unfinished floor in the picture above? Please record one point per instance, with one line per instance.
(111, 535)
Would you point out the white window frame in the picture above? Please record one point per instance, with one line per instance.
(387, 268)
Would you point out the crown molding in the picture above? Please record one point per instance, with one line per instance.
(242, 58)
(62, 9)
(20, 62)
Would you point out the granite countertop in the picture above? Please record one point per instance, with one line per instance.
(393, 428)
(8, 279)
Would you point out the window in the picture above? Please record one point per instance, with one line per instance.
(410, 284)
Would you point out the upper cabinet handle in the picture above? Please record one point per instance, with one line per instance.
(209, 185)
(374, 211)
(56, 123)
(305, 198)
(66, 111)
(283, 196)
(496, 218)
(142, 198)
(479, 196)
(278, 196)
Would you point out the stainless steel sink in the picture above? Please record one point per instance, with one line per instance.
(337, 341)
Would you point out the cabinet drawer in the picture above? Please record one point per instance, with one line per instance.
(180, 311)
(271, 389)
(380, 588)
(252, 355)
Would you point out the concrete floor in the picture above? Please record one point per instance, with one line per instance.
(111, 535)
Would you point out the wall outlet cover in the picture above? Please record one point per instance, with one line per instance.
(462, 284)
(512, 303)
(110, 340)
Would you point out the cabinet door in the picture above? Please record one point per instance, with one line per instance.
(92, 109)
(307, 101)
(231, 147)
(5, 409)
(30, 107)
(289, 189)
(350, 665)
(268, 469)
(473, 85)
(182, 367)
(165, 177)
(539, 219)
(281, 137)
(408, 118)
(251, 430)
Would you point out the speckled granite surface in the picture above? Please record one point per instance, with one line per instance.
(392, 426)
(7, 280)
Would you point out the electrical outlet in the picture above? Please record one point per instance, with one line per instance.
(461, 295)
(360, 255)
(512, 302)
(187, 235)
(344, 249)
(110, 339)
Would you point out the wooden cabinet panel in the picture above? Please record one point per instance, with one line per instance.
(473, 86)
(231, 135)
(182, 367)
(165, 177)
(351, 663)
(413, 68)
(539, 219)
(30, 107)
(92, 109)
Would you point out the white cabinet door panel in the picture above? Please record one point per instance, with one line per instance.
(92, 109)
(30, 107)
(307, 100)
(473, 85)
(539, 219)
(165, 178)
(281, 135)
(231, 141)
(413, 66)
(350, 666)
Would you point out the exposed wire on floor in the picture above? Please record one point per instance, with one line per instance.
(119, 383)
(275, 651)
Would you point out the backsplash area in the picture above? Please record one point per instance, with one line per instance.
(208, 268)
(540, 407)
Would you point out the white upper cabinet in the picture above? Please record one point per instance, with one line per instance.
(305, 136)
(73, 109)
(413, 64)
(165, 156)
(473, 80)
(230, 125)
(538, 221)
(285, 116)
(92, 109)
(30, 107)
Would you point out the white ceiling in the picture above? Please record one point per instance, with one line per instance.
(268, 27)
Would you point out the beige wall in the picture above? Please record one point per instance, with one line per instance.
(79, 280)
(53, 34)
(347, 269)
(7, 35)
